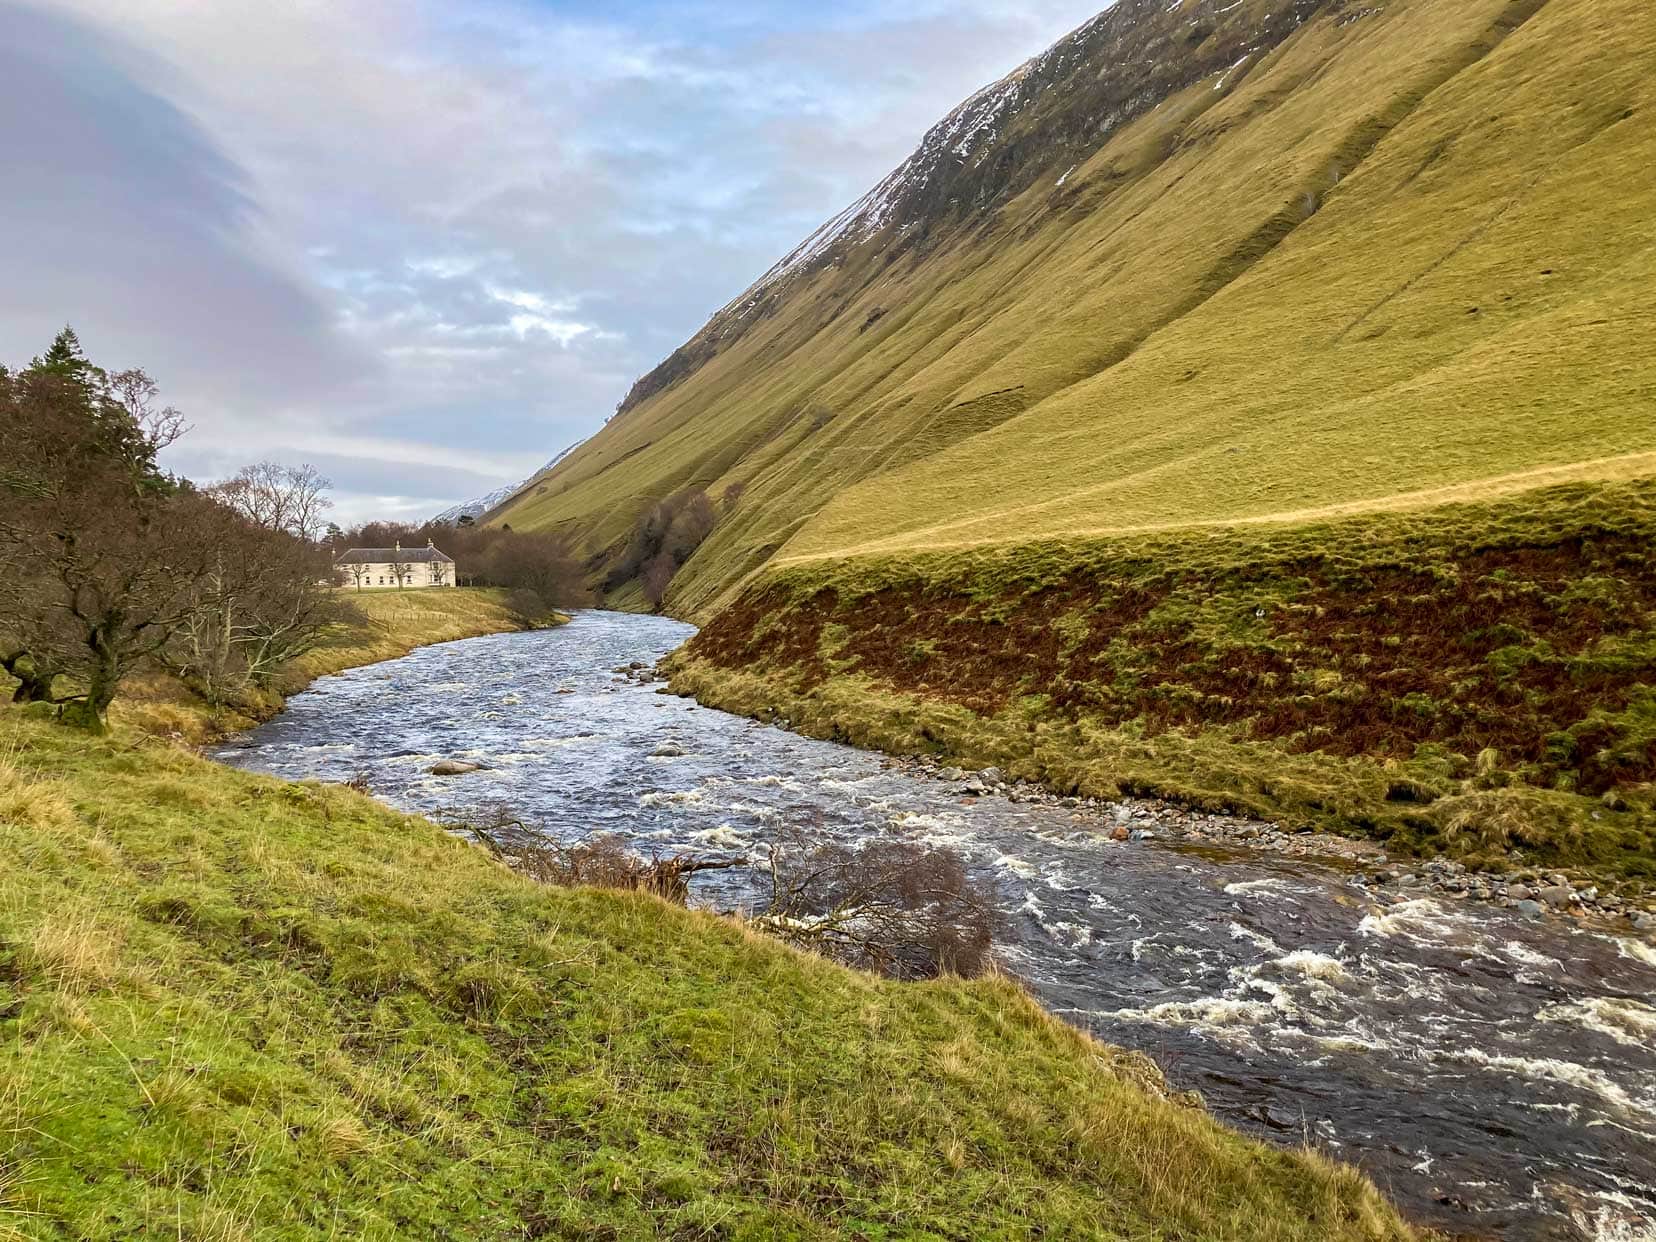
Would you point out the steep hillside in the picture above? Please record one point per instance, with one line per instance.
(1200, 262)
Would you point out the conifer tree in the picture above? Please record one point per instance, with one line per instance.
(65, 358)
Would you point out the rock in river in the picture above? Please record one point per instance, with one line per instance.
(454, 767)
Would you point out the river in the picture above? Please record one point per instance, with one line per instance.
(1495, 1075)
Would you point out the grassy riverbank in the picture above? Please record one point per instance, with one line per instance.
(235, 1007)
(1477, 680)
(395, 623)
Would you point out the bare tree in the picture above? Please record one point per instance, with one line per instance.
(657, 577)
(906, 910)
(664, 538)
(263, 601)
(291, 499)
(597, 862)
(106, 562)
(135, 394)
(400, 567)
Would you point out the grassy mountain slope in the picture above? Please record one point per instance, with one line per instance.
(232, 1007)
(1290, 260)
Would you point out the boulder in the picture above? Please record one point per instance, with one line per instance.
(454, 767)
(667, 750)
(991, 776)
(1557, 894)
(1520, 892)
(1530, 909)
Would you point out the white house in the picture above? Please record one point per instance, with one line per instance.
(369, 569)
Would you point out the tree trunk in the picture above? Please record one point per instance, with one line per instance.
(91, 712)
(34, 683)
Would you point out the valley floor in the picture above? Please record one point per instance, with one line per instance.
(234, 1007)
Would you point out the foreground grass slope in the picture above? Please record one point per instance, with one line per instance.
(1387, 256)
(1479, 679)
(232, 1007)
(395, 622)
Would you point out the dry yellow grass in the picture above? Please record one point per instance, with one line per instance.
(74, 951)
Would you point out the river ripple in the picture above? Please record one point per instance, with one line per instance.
(1497, 1076)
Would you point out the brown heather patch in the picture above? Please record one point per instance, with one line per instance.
(766, 627)
(1540, 653)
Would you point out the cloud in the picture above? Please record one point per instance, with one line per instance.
(440, 240)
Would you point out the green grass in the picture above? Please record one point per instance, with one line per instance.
(232, 1007)
(1478, 680)
(1400, 260)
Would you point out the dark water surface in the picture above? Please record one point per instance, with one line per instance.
(1497, 1076)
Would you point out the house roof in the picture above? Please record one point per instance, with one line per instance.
(383, 556)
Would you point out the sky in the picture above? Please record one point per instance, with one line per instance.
(424, 246)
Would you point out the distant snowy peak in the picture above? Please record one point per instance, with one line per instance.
(485, 504)
(956, 139)
(477, 508)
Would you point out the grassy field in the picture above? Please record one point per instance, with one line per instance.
(1477, 680)
(1399, 260)
(232, 1007)
(396, 623)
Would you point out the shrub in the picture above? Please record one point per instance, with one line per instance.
(906, 910)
